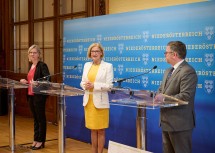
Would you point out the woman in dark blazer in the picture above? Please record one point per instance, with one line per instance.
(37, 103)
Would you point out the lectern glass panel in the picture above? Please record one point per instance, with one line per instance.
(61, 91)
(141, 99)
(9, 83)
(55, 89)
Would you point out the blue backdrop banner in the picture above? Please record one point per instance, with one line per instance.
(134, 43)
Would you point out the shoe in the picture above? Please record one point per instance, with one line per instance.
(40, 147)
(32, 146)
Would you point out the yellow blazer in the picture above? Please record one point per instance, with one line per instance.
(103, 82)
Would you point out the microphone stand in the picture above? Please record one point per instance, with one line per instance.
(141, 115)
(121, 80)
(46, 78)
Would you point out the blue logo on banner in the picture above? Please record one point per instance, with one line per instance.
(145, 36)
(99, 38)
(209, 86)
(145, 81)
(209, 32)
(120, 68)
(209, 59)
(80, 68)
(120, 48)
(145, 58)
(80, 48)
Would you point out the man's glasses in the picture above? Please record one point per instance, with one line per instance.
(167, 53)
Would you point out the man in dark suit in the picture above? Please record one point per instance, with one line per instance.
(180, 81)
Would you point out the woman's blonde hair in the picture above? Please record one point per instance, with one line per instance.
(95, 45)
(34, 47)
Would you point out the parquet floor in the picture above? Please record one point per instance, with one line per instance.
(24, 134)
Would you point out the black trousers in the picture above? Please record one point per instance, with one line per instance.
(37, 105)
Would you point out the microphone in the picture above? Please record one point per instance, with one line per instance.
(121, 80)
(48, 76)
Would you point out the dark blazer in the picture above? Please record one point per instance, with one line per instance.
(181, 85)
(40, 72)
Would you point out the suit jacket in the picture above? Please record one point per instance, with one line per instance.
(102, 84)
(181, 85)
(40, 72)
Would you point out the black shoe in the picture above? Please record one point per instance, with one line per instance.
(40, 147)
(31, 147)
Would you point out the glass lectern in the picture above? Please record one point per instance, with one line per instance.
(11, 85)
(61, 91)
(142, 100)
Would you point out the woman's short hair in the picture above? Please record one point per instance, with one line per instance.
(95, 45)
(34, 47)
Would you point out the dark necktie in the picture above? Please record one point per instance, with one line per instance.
(169, 74)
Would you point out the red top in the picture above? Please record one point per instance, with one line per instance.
(30, 77)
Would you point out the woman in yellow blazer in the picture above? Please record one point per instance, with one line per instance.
(96, 80)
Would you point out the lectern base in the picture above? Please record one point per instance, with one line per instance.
(19, 149)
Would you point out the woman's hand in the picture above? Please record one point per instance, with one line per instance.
(33, 83)
(88, 85)
(24, 81)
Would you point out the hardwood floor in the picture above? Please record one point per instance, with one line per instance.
(24, 136)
